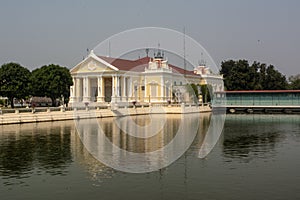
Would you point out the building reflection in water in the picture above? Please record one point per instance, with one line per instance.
(114, 142)
(212, 131)
(95, 145)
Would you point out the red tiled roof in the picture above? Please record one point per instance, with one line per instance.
(139, 65)
(128, 65)
(179, 70)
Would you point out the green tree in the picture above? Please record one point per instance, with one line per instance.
(295, 82)
(275, 80)
(14, 81)
(255, 83)
(51, 81)
(239, 75)
(262, 75)
(206, 91)
(227, 69)
(193, 91)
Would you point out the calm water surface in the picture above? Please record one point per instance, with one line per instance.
(256, 157)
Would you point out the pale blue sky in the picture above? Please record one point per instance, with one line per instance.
(38, 32)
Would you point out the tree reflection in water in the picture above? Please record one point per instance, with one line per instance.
(254, 136)
(43, 147)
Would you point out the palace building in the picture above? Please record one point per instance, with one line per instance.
(99, 79)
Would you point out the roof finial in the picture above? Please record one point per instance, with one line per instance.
(159, 53)
(92, 52)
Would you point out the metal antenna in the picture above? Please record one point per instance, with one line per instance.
(109, 48)
(184, 56)
(202, 61)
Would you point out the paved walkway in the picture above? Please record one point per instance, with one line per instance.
(18, 118)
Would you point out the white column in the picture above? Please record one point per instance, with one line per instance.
(72, 91)
(135, 90)
(113, 86)
(146, 98)
(130, 94)
(162, 89)
(78, 90)
(113, 93)
(100, 91)
(118, 86)
(72, 98)
(170, 91)
(124, 89)
(88, 87)
(74, 87)
(86, 97)
(84, 86)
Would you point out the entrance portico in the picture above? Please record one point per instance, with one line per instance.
(100, 89)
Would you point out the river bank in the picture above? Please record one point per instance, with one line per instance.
(60, 115)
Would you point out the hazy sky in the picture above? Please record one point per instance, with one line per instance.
(38, 32)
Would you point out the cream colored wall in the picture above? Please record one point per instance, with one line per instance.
(150, 80)
(162, 83)
(147, 90)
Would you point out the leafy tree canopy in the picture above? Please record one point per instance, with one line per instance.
(51, 81)
(14, 81)
(239, 75)
(295, 82)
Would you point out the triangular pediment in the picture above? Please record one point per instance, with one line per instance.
(93, 64)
